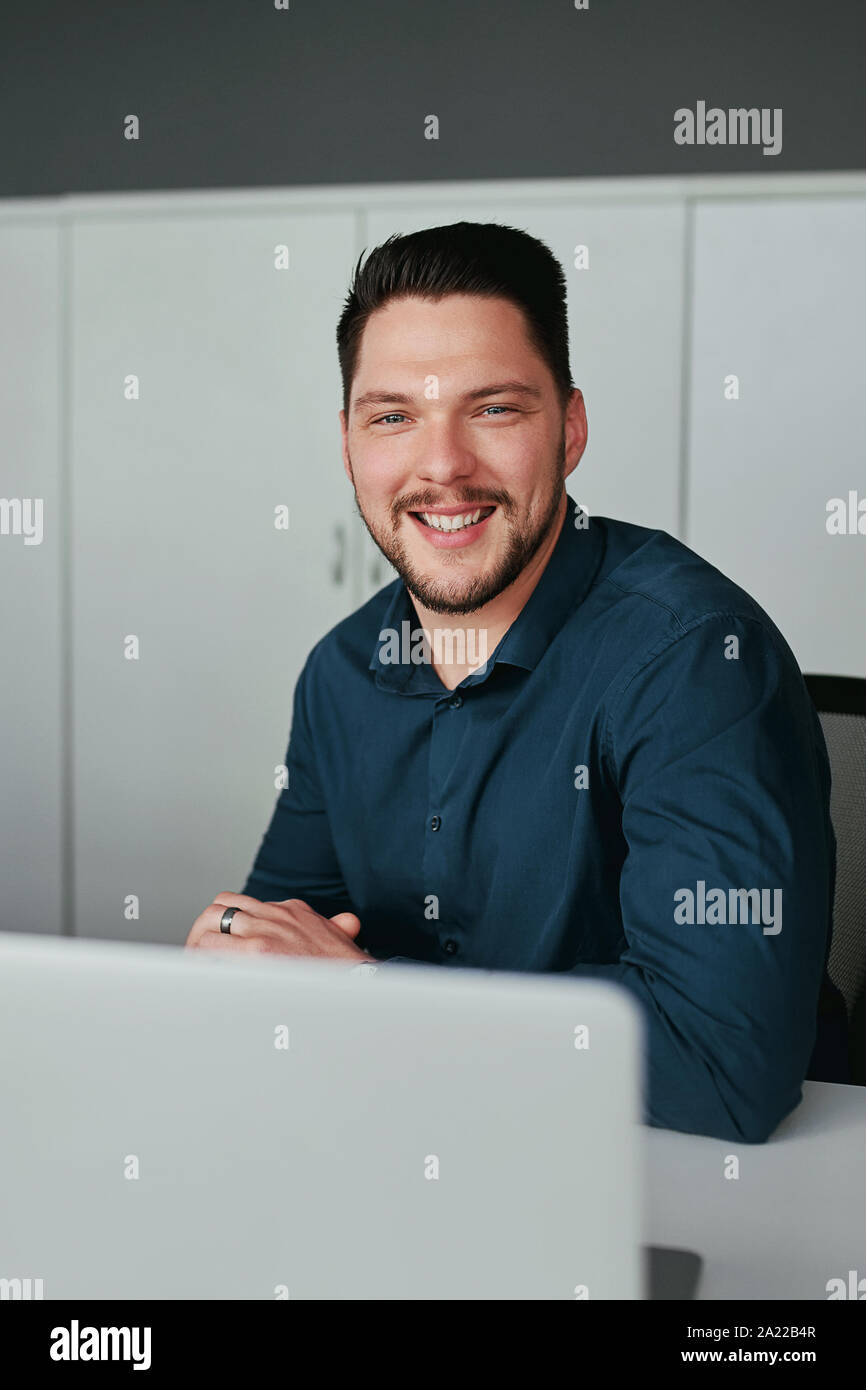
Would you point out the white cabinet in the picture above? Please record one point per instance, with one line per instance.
(625, 332)
(173, 541)
(32, 614)
(164, 387)
(780, 304)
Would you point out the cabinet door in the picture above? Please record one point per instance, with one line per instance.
(780, 303)
(174, 543)
(625, 322)
(32, 615)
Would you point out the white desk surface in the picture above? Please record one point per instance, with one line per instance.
(794, 1218)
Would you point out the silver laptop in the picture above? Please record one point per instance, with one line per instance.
(177, 1125)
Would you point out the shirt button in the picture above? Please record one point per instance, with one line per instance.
(449, 946)
(435, 822)
(456, 702)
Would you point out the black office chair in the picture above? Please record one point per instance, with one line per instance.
(841, 705)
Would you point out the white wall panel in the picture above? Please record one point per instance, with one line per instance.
(173, 541)
(780, 302)
(31, 609)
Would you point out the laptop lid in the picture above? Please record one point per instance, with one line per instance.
(185, 1125)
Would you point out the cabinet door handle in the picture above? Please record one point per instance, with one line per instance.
(338, 564)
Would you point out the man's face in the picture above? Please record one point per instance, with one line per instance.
(457, 445)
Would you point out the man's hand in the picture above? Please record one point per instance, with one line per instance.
(289, 928)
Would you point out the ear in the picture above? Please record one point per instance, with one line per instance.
(576, 430)
(344, 444)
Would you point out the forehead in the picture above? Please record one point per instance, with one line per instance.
(451, 331)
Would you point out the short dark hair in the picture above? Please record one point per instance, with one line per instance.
(483, 258)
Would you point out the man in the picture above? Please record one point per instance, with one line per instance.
(611, 768)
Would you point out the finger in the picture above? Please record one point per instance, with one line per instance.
(219, 941)
(348, 922)
(243, 924)
(205, 921)
(258, 917)
(254, 907)
(239, 900)
(198, 927)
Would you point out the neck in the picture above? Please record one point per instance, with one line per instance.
(489, 624)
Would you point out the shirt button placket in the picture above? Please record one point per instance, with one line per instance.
(442, 753)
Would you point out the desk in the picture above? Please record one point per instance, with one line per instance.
(794, 1218)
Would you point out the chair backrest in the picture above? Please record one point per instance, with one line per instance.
(841, 705)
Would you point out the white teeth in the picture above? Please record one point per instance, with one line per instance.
(451, 523)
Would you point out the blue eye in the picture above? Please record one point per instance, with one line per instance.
(395, 415)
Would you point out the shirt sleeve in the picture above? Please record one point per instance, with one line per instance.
(297, 858)
(724, 783)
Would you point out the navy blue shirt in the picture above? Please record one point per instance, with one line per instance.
(638, 752)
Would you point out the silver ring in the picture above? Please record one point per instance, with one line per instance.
(226, 919)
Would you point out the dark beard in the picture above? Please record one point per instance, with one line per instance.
(523, 543)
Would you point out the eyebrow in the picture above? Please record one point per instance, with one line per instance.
(500, 388)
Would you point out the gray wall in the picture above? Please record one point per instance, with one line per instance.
(233, 93)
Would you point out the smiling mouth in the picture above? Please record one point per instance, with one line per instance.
(461, 522)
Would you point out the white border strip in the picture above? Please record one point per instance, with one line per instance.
(351, 197)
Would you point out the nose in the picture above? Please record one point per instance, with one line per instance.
(445, 457)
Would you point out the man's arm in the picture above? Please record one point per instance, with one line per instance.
(721, 782)
(294, 901)
(297, 858)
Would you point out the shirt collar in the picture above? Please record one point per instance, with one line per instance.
(564, 583)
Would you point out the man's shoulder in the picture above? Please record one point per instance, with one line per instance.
(667, 584)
